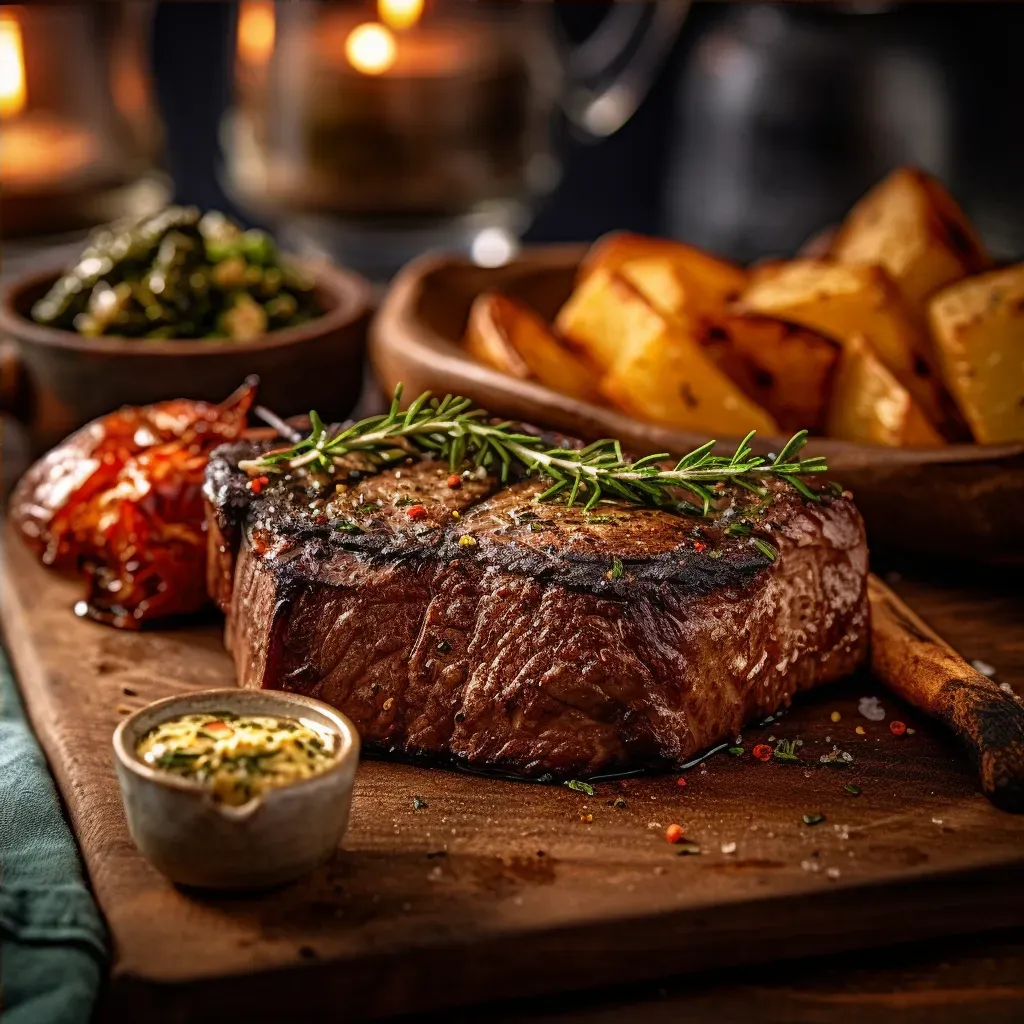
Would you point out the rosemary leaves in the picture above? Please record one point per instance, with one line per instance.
(452, 429)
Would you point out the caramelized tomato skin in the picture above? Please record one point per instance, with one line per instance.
(121, 502)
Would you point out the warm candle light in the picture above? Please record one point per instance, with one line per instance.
(399, 14)
(256, 31)
(12, 67)
(370, 48)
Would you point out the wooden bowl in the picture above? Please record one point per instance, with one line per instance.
(55, 380)
(959, 501)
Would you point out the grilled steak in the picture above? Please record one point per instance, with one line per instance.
(472, 622)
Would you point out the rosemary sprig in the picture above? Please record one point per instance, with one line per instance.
(450, 428)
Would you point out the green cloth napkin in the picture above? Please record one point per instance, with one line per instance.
(53, 948)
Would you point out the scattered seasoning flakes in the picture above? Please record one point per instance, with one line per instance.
(871, 709)
(129, 692)
(852, 789)
(897, 728)
(581, 787)
(836, 758)
(911, 732)
(618, 802)
(123, 709)
(983, 667)
(416, 512)
(455, 515)
(586, 818)
(832, 874)
(786, 750)
(860, 730)
(681, 782)
(762, 752)
(736, 751)
(674, 833)
(728, 847)
(419, 803)
(686, 848)
(389, 703)
(465, 541)
(835, 716)
(816, 818)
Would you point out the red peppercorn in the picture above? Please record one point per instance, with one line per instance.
(416, 512)
(674, 834)
(897, 728)
(762, 752)
(454, 481)
(699, 545)
(680, 781)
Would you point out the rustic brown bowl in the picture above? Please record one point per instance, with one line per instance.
(959, 501)
(55, 380)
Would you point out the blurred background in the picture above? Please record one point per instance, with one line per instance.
(370, 131)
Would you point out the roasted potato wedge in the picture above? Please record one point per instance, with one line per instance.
(785, 368)
(978, 330)
(664, 377)
(909, 225)
(672, 275)
(604, 316)
(509, 336)
(853, 301)
(869, 405)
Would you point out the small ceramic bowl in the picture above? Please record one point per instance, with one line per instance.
(275, 838)
(54, 381)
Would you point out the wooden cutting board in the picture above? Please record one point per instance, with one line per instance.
(497, 888)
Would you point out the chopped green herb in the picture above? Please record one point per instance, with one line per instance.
(403, 500)
(581, 787)
(765, 548)
(617, 570)
(716, 553)
(536, 527)
(739, 529)
(367, 506)
(418, 803)
(736, 751)
(786, 750)
(347, 527)
(852, 789)
(600, 519)
(814, 819)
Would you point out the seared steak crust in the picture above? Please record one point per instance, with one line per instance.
(474, 623)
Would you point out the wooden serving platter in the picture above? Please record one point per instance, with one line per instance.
(497, 888)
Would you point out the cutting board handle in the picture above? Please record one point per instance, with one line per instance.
(919, 666)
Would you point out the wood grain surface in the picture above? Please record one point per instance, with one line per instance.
(497, 888)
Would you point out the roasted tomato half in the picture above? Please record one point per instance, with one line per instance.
(120, 501)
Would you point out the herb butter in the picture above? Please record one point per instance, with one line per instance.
(238, 757)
